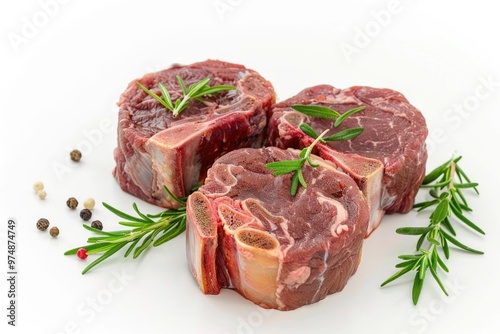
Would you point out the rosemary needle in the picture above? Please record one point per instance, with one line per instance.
(295, 166)
(447, 184)
(194, 91)
(328, 113)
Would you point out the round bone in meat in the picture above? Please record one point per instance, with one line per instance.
(245, 231)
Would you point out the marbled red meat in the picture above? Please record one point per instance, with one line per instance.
(245, 231)
(157, 149)
(387, 160)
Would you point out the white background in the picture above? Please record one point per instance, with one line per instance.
(65, 63)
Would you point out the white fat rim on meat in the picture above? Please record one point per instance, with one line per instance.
(144, 180)
(243, 74)
(229, 174)
(298, 276)
(321, 276)
(338, 227)
(340, 97)
(386, 200)
(244, 205)
(284, 227)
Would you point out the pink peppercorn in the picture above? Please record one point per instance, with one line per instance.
(82, 253)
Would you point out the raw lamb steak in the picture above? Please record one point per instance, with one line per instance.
(157, 149)
(245, 231)
(387, 160)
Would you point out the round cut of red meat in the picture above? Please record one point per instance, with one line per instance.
(156, 149)
(387, 159)
(245, 231)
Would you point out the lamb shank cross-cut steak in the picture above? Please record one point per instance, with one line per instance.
(245, 231)
(387, 159)
(156, 149)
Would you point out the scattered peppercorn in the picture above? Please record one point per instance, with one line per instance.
(54, 231)
(85, 214)
(42, 194)
(37, 186)
(89, 203)
(42, 224)
(96, 224)
(75, 155)
(72, 203)
(82, 253)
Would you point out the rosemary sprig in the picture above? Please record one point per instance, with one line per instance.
(328, 113)
(446, 184)
(194, 91)
(295, 166)
(151, 229)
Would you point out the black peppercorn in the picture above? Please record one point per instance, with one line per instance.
(75, 155)
(85, 214)
(72, 203)
(42, 224)
(54, 231)
(96, 224)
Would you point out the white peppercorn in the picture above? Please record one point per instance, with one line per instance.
(89, 203)
(37, 186)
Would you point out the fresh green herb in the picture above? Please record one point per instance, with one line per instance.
(346, 134)
(194, 91)
(151, 229)
(325, 112)
(316, 111)
(295, 166)
(447, 184)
